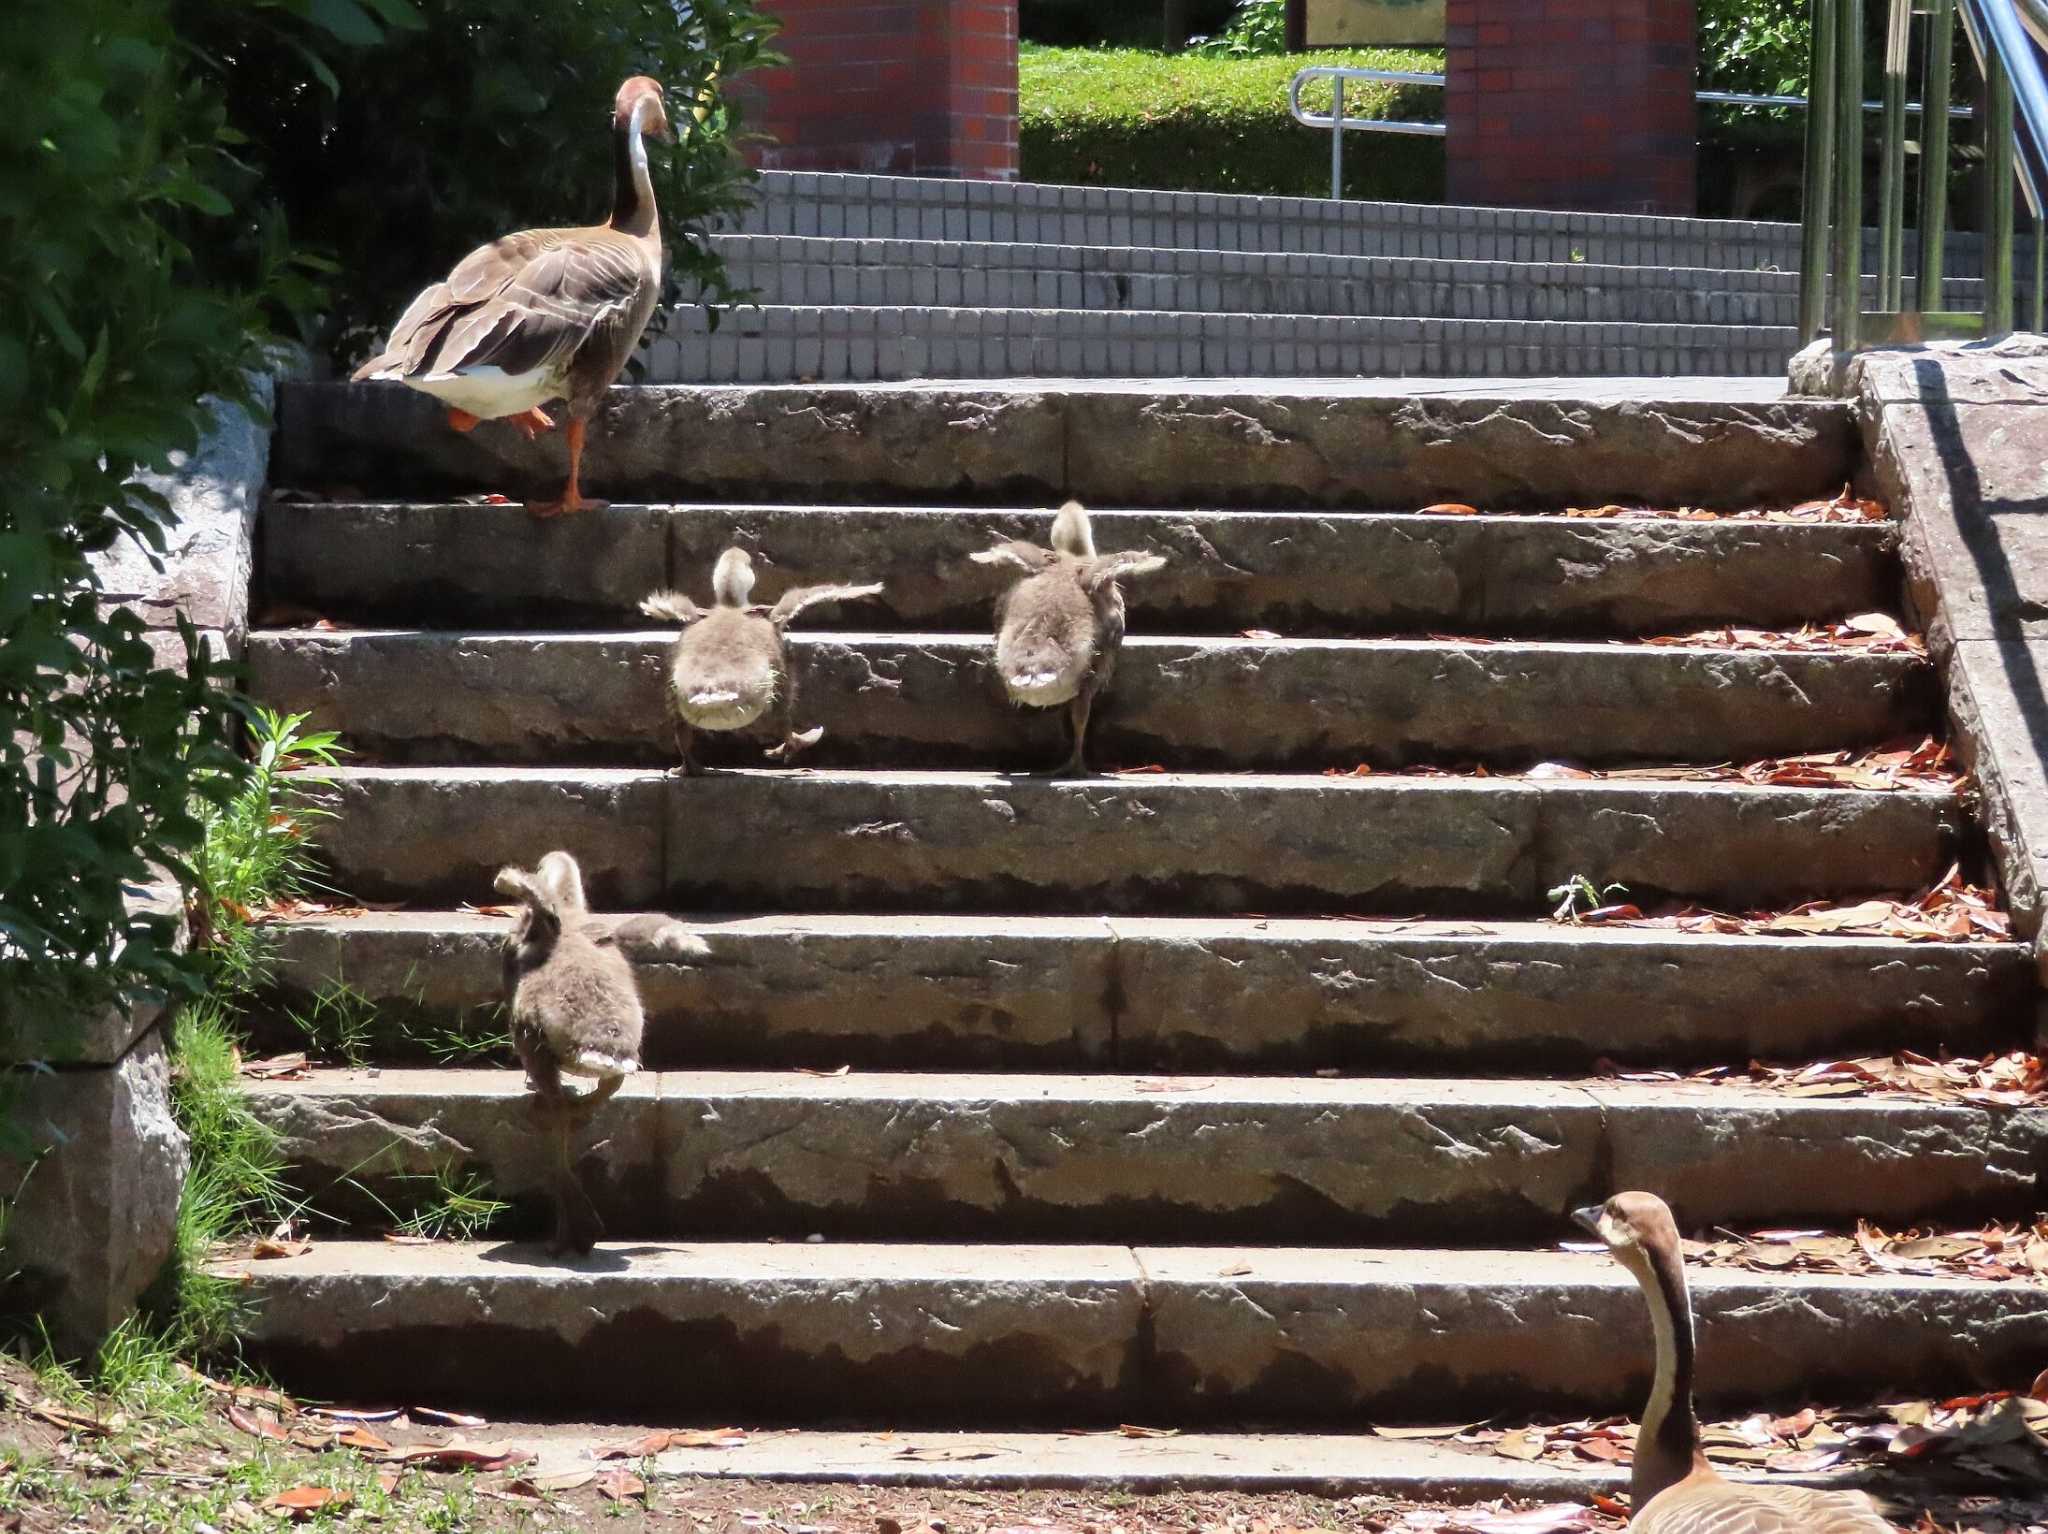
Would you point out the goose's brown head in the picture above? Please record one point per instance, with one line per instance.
(1637, 1227)
(654, 117)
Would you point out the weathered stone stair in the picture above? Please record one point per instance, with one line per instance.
(1022, 1205)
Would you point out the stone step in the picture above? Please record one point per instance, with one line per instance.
(1071, 1336)
(1289, 571)
(753, 1155)
(933, 700)
(1179, 844)
(929, 208)
(841, 205)
(963, 274)
(809, 343)
(1288, 446)
(1191, 994)
(1333, 1464)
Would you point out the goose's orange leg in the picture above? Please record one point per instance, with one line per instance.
(462, 420)
(572, 498)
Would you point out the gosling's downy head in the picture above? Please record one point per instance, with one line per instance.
(732, 578)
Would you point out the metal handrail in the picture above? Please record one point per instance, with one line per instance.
(2005, 38)
(1338, 123)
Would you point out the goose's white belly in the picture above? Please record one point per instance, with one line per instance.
(490, 392)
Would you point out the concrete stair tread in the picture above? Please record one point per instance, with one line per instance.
(1082, 1335)
(932, 700)
(499, 1084)
(800, 343)
(1113, 1156)
(637, 1263)
(880, 991)
(1333, 1464)
(1500, 572)
(1164, 843)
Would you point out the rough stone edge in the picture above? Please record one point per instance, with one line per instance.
(2014, 819)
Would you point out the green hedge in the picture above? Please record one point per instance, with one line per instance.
(1194, 122)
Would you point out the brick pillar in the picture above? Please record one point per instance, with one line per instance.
(891, 87)
(1582, 104)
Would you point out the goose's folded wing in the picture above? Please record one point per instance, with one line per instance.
(794, 601)
(518, 304)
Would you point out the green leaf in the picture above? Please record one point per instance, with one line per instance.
(346, 21)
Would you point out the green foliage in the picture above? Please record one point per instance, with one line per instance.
(1757, 46)
(1257, 28)
(1200, 122)
(452, 1205)
(1578, 895)
(112, 164)
(255, 844)
(483, 122)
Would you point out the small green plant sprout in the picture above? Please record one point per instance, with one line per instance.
(339, 1024)
(1578, 255)
(1573, 900)
(255, 850)
(455, 1205)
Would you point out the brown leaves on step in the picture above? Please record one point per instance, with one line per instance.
(1923, 763)
(1997, 1435)
(647, 1445)
(1994, 1253)
(1870, 633)
(2015, 1079)
(301, 1502)
(1845, 507)
(1949, 911)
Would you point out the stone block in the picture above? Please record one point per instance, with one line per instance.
(92, 1212)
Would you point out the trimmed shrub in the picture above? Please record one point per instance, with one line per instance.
(1213, 123)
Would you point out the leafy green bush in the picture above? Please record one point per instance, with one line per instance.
(1257, 28)
(1198, 122)
(485, 121)
(117, 160)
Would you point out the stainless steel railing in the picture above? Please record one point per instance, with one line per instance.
(2005, 39)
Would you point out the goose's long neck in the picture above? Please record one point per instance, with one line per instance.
(632, 187)
(1668, 1446)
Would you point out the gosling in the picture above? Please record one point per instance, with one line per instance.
(575, 1011)
(1059, 629)
(730, 666)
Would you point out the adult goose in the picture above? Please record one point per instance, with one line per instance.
(544, 314)
(1673, 1489)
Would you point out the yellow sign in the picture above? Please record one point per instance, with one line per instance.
(1375, 23)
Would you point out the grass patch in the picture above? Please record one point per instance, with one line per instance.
(1219, 123)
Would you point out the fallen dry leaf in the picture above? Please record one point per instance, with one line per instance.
(1449, 509)
(457, 1455)
(304, 1501)
(256, 1425)
(620, 1486)
(944, 1453)
(430, 1415)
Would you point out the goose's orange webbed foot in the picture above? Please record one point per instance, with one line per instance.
(531, 423)
(462, 420)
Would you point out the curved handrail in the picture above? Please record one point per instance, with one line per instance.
(1339, 73)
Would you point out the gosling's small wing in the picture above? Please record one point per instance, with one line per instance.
(794, 601)
(672, 606)
(1104, 568)
(1028, 558)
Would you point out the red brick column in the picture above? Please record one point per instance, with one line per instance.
(1583, 104)
(891, 87)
